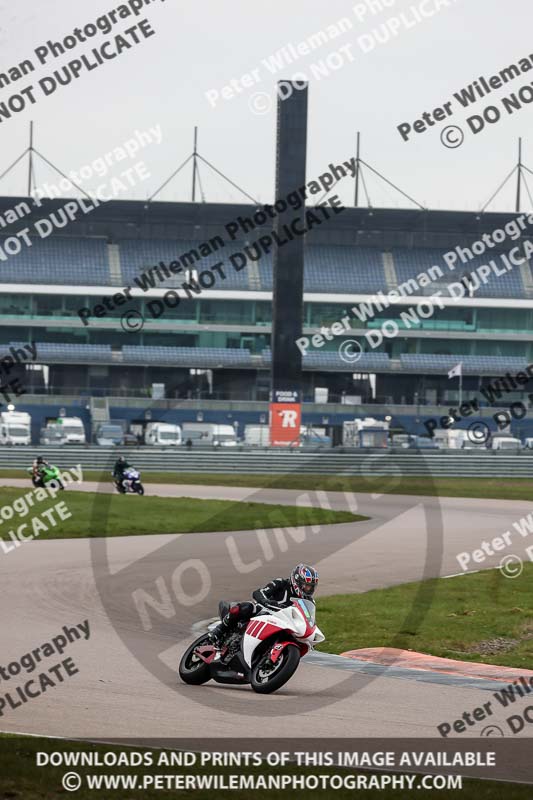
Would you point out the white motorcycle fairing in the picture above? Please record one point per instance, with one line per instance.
(297, 619)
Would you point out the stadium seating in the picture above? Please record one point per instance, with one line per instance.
(228, 358)
(474, 365)
(76, 353)
(336, 269)
(409, 263)
(327, 269)
(201, 357)
(331, 361)
(59, 260)
(138, 255)
(197, 357)
(332, 269)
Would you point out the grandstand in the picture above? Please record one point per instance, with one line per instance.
(214, 347)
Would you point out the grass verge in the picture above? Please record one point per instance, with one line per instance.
(126, 515)
(491, 488)
(21, 779)
(482, 617)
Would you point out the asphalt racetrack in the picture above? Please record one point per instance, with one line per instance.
(49, 584)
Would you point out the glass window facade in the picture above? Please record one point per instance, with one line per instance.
(254, 316)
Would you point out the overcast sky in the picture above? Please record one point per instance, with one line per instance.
(201, 46)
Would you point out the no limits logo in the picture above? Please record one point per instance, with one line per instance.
(155, 601)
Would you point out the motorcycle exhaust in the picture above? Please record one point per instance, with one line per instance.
(230, 676)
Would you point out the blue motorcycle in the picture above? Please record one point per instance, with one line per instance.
(131, 482)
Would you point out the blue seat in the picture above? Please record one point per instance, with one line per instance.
(59, 260)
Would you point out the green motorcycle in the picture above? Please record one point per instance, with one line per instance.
(46, 476)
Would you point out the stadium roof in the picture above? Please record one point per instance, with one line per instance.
(165, 219)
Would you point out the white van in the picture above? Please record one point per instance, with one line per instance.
(162, 434)
(15, 428)
(202, 433)
(72, 428)
(108, 435)
(258, 435)
(449, 439)
(505, 443)
(367, 432)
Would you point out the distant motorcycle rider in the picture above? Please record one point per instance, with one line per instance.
(301, 583)
(38, 466)
(121, 465)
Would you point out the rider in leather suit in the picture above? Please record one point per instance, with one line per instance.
(121, 465)
(277, 593)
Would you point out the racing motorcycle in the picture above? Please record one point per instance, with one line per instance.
(46, 475)
(131, 483)
(264, 652)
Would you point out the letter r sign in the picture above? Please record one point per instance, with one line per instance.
(288, 418)
(285, 420)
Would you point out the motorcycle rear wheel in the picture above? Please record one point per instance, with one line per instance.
(268, 677)
(192, 669)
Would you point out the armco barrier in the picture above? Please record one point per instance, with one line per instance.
(461, 464)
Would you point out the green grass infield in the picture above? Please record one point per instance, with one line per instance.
(72, 514)
(495, 488)
(484, 617)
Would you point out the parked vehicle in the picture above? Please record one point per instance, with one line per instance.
(202, 434)
(505, 443)
(470, 445)
(194, 439)
(131, 483)
(257, 435)
(314, 437)
(162, 434)
(450, 439)
(264, 652)
(367, 432)
(15, 428)
(401, 440)
(52, 436)
(73, 429)
(310, 436)
(109, 435)
(423, 443)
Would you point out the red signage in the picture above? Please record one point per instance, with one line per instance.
(285, 421)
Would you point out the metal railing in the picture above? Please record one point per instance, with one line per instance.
(490, 464)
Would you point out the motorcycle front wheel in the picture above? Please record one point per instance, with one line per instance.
(139, 488)
(192, 669)
(268, 677)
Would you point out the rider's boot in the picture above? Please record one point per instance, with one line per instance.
(225, 626)
(218, 634)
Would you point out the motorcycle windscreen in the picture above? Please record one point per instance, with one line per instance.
(308, 609)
